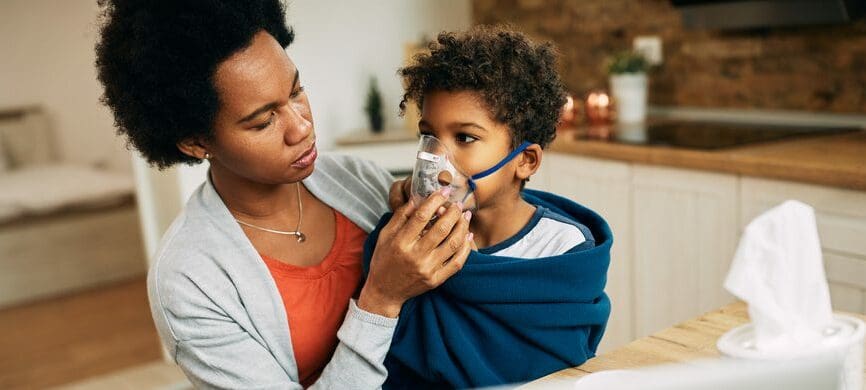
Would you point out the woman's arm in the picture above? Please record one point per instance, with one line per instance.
(404, 265)
(217, 350)
(212, 335)
(214, 346)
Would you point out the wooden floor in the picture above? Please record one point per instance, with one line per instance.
(66, 339)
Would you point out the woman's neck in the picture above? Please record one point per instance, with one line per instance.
(499, 220)
(252, 200)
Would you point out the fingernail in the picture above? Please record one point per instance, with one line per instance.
(468, 215)
(441, 210)
(469, 236)
(446, 191)
(460, 205)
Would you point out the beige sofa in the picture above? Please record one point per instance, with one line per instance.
(63, 226)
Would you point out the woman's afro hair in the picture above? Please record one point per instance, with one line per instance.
(515, 78)
(156, 60)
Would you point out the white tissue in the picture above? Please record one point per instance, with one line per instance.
(778, 270)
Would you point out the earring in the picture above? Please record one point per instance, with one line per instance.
(207, 156)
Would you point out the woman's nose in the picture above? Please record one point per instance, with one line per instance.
(298, 124)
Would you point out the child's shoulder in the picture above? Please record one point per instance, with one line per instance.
(549, 233)
(562, 222)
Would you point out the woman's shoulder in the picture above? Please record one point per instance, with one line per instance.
(196, 249)
(334, 163)
(195, 273)
(356, 187)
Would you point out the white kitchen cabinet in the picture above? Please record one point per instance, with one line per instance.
(676, 231)
(603, 186)
(685, 234)
(841, 218)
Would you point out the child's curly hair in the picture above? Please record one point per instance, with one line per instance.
(515, 77)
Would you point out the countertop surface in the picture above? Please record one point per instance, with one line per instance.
(837, 160)
(690, 340)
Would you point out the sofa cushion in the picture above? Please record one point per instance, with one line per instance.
(26, 138)
(48, 188)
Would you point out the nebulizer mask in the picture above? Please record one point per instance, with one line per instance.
(435, 168)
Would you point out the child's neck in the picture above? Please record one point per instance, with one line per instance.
(500, 220)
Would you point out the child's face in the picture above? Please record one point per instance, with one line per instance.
(476, 140)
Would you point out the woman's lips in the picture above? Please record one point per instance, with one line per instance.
(306, 159)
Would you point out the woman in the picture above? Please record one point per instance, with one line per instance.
(253, 284)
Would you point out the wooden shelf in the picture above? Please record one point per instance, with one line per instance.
(368, 137)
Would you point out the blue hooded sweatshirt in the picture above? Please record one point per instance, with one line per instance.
(504, 320)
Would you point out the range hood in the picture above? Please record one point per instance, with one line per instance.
(744, 14)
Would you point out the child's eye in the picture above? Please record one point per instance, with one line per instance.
(266, 124)
(466, 138)
(297, 92)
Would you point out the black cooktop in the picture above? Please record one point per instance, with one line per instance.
(713, 135)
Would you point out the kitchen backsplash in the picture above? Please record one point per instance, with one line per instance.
(804, 68)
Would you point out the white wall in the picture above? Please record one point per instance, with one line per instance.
(340, 44)
(46, 57)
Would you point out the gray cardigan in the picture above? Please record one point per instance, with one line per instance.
(217, 308)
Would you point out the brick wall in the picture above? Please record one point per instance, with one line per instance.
(803, 68)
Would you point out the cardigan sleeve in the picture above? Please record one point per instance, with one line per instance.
(216, 351)
(358, 362)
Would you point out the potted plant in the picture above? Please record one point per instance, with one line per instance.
(628, 85)
(373, 107)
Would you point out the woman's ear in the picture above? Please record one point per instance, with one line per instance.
(529, 162)
(194, 147)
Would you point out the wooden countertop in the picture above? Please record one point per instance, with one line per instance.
(690, 340)
(837, 160)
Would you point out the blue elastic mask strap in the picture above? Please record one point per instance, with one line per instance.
(498, 165)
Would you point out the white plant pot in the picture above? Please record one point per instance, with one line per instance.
(630, 96)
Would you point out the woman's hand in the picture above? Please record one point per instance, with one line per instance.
(399, 193)
(412, 258)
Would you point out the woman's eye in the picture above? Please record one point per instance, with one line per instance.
(266, 124)
(297, 92)
(466, 138)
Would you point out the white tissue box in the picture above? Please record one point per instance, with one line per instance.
(846, 335)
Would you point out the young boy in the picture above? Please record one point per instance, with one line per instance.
(530, 301)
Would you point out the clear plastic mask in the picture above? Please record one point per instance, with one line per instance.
(435, 169)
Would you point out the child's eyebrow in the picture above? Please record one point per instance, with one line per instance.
(471, 124)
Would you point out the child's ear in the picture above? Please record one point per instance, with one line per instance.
(528, 162)
(194, 147)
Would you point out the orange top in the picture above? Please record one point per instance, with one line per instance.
(317, 298)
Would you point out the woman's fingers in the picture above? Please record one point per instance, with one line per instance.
(456, 262)
(417, 220)
(401, 215)
(399, 193)
(442, 229)
(455, 236)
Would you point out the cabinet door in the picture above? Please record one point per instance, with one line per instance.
(603, 186)
(685, 236)
(841, 218)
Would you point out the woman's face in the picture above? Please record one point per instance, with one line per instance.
(477, 141)
(263, 131)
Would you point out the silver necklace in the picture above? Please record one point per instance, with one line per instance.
(297, 232)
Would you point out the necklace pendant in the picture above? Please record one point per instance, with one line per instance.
(301, 237)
